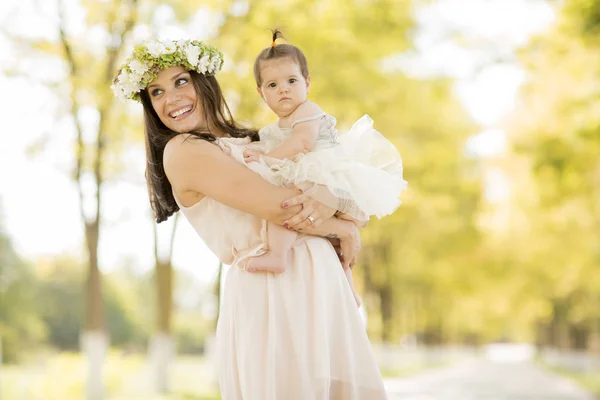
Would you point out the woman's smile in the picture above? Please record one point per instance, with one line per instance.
(181, 112)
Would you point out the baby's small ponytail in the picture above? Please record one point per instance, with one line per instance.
(276, 35)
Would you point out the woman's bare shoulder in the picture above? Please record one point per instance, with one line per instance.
(186, 145)
(188, 159)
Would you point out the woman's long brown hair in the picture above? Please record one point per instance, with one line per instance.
(217, 114)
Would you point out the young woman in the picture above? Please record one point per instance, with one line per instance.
(295, 335)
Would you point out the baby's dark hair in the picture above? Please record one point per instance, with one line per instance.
(275, 51)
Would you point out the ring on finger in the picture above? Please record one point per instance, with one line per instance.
(311, 219)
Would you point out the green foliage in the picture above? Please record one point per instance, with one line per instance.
(20, 324)
(584, 16)
(190, 331)
(556, 136)
(126, 319)
(60, 292)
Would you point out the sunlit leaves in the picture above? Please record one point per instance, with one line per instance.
(557, 131)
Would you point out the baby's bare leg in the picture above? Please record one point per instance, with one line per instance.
(348, 273)
(280, 241)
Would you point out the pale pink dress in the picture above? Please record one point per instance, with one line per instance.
(293, 336)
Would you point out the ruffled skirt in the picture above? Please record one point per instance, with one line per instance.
(365, 169)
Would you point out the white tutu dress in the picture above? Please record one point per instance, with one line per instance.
(360, 166)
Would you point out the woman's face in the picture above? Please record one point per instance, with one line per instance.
(175, 100)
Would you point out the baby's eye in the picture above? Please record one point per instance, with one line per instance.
(155, 92)
(272, 85)
(293, 80)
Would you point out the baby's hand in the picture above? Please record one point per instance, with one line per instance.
(252, 155)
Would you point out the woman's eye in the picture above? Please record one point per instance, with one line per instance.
(156, 92)
(181, 81)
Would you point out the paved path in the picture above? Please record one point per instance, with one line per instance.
(485, 380)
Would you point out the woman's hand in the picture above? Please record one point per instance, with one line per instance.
(343, 235)
(318, 212)
(335, 242)
(350, 245)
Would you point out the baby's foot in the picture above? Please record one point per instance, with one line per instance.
(269, 262)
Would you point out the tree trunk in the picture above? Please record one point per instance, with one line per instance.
(560, 331)
(94, 344)
(162, 345)
(387, 312)
(94, 318)
(593, 344)
(164, 288)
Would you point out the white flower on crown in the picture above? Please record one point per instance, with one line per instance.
(170, 47)
(214, 64)
(124, 77)
(138, 67)
(118, 92)
(203, 63)
(193, 53)
(155, 48)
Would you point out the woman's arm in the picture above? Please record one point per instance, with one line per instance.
(194, 165)
(201, 167)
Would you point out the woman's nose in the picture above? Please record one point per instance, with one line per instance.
(173, 97)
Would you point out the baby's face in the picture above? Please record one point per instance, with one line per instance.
(283, 86)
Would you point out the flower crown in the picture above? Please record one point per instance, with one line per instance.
(149, 58)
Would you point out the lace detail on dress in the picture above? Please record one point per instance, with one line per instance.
(330, 123)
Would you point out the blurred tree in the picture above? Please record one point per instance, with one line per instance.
(556, 134)
(116, 19)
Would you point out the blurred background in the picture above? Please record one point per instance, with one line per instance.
(491, 265)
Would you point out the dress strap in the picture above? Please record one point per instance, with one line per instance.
(309, 118)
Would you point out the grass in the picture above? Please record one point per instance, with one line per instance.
(127, 377)
(61, 376)
(402, 372)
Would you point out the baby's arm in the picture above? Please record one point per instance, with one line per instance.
(304, 135)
